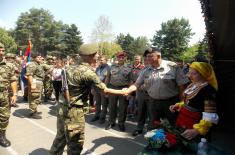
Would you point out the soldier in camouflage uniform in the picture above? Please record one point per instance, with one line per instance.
(35, 74)
(11, 58)
(7, 78)
(47, 82)
(70, 117)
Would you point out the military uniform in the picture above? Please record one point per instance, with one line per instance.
(17, 69)
(70, 117)
(47, 81)
(35, 70)
(162, 87)
(70, 121)
(7, 76)
(120, 77)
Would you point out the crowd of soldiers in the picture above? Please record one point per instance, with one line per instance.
(117, 88)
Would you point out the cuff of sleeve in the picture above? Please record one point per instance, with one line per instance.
(203, 126)
(179, 105)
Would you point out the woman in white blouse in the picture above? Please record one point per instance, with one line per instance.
(56, 78)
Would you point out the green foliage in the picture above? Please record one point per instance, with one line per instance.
(109, 49)
(124, 41)
(46, 34)
(8, 41)
(139, 45)
(203, 50)
(173, 37)
(72, 39)
(190, 54)
(131, 45)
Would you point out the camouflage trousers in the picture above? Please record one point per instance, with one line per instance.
(48, 87)
(5, 110)
(70, 131)
(34, 97)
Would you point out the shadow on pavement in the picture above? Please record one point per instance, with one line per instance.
(40, 151)
(21, 113)
(52, 110)
(115, 143)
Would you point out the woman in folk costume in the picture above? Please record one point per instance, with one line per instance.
(197, 113)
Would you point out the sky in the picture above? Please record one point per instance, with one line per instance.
(136, 17)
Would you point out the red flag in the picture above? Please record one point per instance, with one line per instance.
(27, 54)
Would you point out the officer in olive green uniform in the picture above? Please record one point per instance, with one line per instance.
(70, 118)
(11, 58)
(119, 77)
(164, 83)
(47, 81)
(35, 74)
(7, 78)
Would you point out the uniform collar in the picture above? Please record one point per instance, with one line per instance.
(3, 62)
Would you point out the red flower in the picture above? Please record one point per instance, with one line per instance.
(156, 123)
(171, 138)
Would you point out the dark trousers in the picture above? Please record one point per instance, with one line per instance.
(143, 108)
(117, 101)
(160, 109)
(57, 85)
(101, 104)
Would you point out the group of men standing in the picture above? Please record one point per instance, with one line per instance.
(154, 86)
(158, 85)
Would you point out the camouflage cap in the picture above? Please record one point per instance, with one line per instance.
(48, 57)
(35, 54)
(10, 55)
(88, 49)
(2, 45)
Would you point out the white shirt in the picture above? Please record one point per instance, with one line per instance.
(56, 74)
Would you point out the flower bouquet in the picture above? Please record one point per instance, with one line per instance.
(166, 138)
(160, 139)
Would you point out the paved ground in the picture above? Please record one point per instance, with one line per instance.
(34, 137)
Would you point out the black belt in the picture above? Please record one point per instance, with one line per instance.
(75, 106)
(168, 99)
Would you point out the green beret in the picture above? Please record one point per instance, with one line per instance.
(1, 45)
(88, 49)
(10, 55)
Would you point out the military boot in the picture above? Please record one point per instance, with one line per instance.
(3, 141)
(35, 115)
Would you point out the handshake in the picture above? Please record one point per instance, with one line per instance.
(124, 91)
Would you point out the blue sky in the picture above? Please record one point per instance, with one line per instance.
(137, 17)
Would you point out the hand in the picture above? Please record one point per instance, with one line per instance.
(172, 108)
(13, 99)
(125, 91)
(190, 133)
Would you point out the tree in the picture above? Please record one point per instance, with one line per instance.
(102, 31)
(190, 54)
(36, 24)
(139, 45)
(46, 34)
(124, 41)
(72, 39)
(203, 53)
(173, 37)
(109, 49)
(8, 41)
